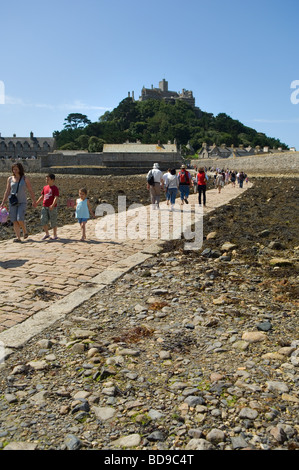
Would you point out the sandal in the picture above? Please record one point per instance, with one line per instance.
(45, 237)
(17, 240)
(25, 236)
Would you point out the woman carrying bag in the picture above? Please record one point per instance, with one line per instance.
(16, 194)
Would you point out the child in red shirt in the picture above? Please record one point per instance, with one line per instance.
(49, 196)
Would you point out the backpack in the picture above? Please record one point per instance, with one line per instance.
(184, 177)
(151, 179)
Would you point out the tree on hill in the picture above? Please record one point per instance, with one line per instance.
(153, 120)
(76, 120)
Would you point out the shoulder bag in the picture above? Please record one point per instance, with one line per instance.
(13, 199)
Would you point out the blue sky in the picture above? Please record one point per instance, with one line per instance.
(69, 56)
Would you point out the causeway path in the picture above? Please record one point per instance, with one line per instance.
(42, 281)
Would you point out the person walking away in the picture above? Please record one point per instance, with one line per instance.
(184, 184)
(155, 188)
(233, 178)
(215, 177)
(172, 186)
(49, 196)
(219, 182)
(241, 179)
(83, 211)
(16, 189)
(227, 176)
(201, 185)
(167, 195)
(194, 181)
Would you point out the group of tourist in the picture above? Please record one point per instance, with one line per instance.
(15, 194)
(171, 181)
(223, 177)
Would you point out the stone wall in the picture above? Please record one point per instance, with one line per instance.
(30, 166)
(280, 163)
(78, 159)
(111, 160)
(94, 171)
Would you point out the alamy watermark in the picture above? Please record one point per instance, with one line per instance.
(295, 94)
(140, 222)
(2, 92)
(2, 352)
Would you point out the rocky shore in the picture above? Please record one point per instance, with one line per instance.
(190, 351)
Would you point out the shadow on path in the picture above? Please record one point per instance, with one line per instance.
(13, 263)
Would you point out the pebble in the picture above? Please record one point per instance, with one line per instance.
(104, 413)
(248, 413)
(72, 442)
(215, 436)
(132, 440)
(253, 337)
(239, 442)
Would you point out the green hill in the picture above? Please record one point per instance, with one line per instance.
(152, 121)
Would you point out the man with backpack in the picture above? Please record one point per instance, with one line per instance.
(184, 178)
(154, 183)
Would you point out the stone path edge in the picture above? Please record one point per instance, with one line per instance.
(17, 336)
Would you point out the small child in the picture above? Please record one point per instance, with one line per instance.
(83, 211)
(49, 196)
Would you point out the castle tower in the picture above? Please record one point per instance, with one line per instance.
(163, 85)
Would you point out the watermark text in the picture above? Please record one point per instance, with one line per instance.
(295, 93)
(140, 222)
(2, 352)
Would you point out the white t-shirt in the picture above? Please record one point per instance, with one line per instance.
(165, 177)
(172, 181)
(158, 175)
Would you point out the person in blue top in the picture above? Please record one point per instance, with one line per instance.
(83, 211)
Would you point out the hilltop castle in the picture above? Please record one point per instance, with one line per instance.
(162, 93)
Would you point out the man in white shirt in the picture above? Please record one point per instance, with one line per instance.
(155, 189)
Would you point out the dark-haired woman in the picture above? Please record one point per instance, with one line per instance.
(172, 185)
(17, 184)
(201, 185)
